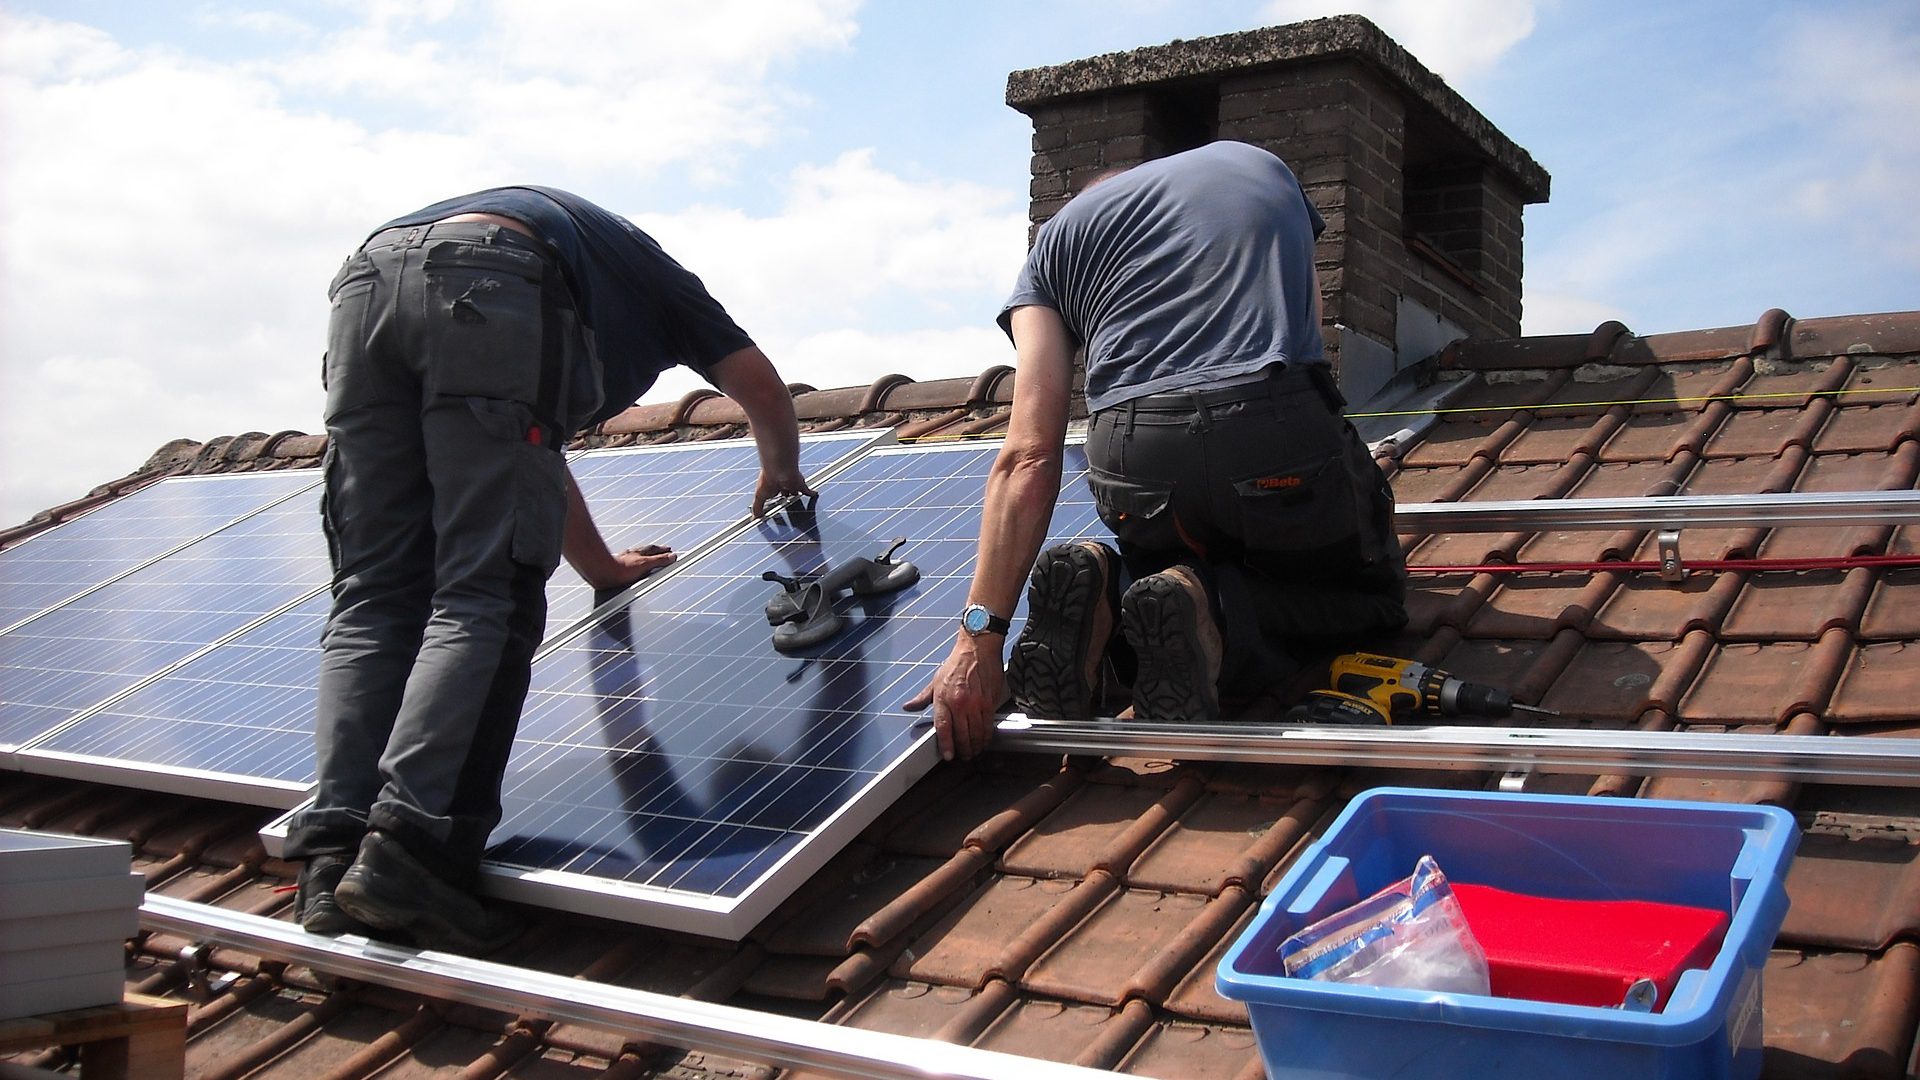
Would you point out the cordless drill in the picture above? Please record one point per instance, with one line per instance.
(1402, 689)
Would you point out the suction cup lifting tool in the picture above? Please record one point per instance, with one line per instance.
(802, 612)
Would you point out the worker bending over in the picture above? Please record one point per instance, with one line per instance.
(468, 341)
(1252, 523)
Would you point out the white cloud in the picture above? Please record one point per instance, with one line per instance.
(852, 242)
(1457, 39)
(177, 217)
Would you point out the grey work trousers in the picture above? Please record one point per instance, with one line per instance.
(448, 350)
(1265, 489)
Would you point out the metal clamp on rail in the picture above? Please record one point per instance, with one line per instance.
(802, 612)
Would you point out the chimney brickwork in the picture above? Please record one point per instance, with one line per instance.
(1422, 195)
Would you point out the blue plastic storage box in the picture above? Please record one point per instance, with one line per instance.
(1701, 854)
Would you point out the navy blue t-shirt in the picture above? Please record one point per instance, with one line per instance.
(1181, 272)
(645, 312)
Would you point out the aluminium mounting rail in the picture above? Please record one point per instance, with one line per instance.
(1833, 759)
(637, 1014)
(1666, 511)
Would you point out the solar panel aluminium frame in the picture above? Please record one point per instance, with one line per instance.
(278, 794)
(712, 915)
(55, 534)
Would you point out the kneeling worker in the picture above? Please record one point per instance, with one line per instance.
(1252, 523)
(468, 341)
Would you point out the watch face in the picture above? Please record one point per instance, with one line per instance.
(975, 619)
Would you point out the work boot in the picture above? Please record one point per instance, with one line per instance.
(1177, 643)
(1055, 666)
(389, 890)
(313, 900)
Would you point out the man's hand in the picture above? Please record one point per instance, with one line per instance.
(774, 484)
(964, 693)
(632, 565)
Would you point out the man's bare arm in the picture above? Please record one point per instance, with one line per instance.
(1021, 491)
(587, 552)
(749, 378)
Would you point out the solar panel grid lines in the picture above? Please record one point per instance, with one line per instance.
(77, 556)
(65, 662)
(236, 721)
(680, 495)
(674, 769)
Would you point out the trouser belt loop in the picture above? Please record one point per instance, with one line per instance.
(1131, 410)
(1202, 419)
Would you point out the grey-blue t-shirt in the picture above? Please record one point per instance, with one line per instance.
(1181, 272)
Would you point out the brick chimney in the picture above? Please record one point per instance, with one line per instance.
(1422, 195)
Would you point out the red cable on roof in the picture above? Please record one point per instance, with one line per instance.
(1825, 562)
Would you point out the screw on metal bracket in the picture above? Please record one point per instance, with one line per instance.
(1671, 568)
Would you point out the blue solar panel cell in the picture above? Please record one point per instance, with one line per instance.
(237, 721)
(79, 655)
(678, 495)
(673, 767)
(44, 570)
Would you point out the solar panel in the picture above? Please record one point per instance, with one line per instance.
(237, 721)
(673, 768)
(682, 495)
(58, 665)
(47, 569)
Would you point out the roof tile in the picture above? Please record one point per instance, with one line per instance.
(1878, 684)
(962, 948)
(1061, 1031)
(1834, 1015)
(1096, 959)
(1195, 1052)
(1648, 608)
(1853, 893)
(1617, 681)
(1764, 682)
(1223, 839)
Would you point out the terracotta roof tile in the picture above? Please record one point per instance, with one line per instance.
(1078, 912)
(1840, 1014)
(1096, 959)
(1195, 1051)
(1893, 611)
(1060, 1031)
(1853, 892)
(1878, 684)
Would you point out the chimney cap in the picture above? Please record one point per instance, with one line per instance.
(1337, 37)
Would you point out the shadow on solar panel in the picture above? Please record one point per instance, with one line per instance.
(675, 768)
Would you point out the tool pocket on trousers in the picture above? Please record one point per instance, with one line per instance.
(482, 321)
(538, 483)
(349, 323)
(1139, 512)
(1304, 508)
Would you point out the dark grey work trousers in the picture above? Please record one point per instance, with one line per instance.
(1268, 492)
(445, 503)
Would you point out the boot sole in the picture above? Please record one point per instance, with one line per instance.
(1047, 670)
(1158, 617)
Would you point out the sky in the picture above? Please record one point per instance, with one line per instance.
(179, 181)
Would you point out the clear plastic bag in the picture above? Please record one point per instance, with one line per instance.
(1410, 934)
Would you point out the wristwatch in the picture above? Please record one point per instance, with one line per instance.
(975, 619)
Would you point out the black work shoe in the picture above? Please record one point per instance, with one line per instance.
(389, 890)
(313, 901)
(1170, 626)
(1055, 666)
